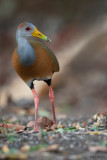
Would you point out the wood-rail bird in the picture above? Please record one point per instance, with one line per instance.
(33, 60)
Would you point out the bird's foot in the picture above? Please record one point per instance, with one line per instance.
(55, 125)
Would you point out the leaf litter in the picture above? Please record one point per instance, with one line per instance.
(79, 140)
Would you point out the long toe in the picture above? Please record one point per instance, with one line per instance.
(55, 126)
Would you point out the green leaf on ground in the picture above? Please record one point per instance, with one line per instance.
(70, 129)
(95, 128)
(103, 143)
(43, 133)
(38, 147)
(11, 138)
(61, 130)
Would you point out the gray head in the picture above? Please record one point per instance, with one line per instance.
(27, 29)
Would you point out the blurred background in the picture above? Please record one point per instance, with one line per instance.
(78, 30)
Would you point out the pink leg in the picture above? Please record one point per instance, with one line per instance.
(51, 95)
(36, 101)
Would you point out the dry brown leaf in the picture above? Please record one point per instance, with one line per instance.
(74, 124)
(84, 124)
(77, 125)
(99, 116)
(5, 149)
(51, 148)
(30, 124)
(25, 148)
(97, 148)
(16, 128)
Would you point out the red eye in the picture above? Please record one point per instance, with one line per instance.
(28, 28)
